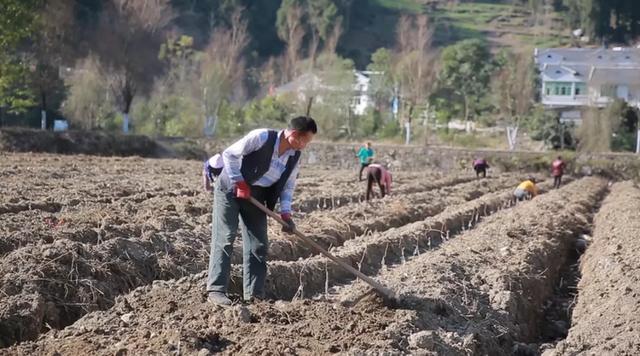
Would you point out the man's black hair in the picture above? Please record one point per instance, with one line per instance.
(303, 124)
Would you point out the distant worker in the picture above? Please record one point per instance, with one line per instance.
(379, 174)
(211, 170)
(557, 170)
(365, 155)
(526, 189)
(261, 165)
(480, 165)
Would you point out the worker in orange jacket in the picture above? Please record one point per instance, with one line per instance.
(526, 190)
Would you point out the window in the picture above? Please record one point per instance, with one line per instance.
(558, 88)
(608, 91)
(581, 89)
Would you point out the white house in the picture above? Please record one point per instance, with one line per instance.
(311, 84)
(578, 77)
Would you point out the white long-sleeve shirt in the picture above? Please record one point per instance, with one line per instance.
(255, 139)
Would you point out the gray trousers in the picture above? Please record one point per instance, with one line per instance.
(227, 209)
(521, 194)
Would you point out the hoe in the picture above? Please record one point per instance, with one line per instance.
(387, 295)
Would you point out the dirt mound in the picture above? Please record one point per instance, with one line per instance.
(483, 292)
(606, 318)
(76, 142)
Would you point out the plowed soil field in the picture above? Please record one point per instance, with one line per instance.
(107, 256)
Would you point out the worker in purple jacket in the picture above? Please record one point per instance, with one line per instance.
(480, 165)
(262, 165)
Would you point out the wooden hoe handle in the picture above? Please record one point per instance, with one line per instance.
(382, 290)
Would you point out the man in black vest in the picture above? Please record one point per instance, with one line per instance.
(264, 165)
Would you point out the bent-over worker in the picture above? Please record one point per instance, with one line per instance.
(526, 190)
(379, 174)
(480, 165)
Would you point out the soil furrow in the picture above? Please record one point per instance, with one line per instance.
(415, 186)
(478, 294)
(370, 252)
(606, 317)
(345, 223)
(121, 223)
(494, 280)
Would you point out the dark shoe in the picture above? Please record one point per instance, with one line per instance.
(254, 299)
(219, 298)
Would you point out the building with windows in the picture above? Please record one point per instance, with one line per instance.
(579, 77)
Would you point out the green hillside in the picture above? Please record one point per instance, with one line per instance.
(373, 24)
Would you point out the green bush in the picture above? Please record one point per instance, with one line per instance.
(391, 129)
(269, 111)
(370, 124)
(170, 115)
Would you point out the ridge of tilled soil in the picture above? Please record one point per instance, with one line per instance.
(54, 284)
(47, 198)
(108, 232)
(333, 229)
(606, 318)
(320, 199)
(477, 294)
(483, 293)
(368, 253)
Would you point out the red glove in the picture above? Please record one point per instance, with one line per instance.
(243, 190)
(290, 225)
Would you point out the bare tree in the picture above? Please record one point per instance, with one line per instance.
(270, 74)
(415, 64)
(129, 37)
(88, 103)
(52, 47)
(595, 132)
(292, 32)
(515, 87)
(322, 18)
(222, 68)
(332, 41)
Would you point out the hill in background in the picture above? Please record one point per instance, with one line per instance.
(373, 22)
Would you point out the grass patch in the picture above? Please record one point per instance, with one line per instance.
(447, 33)
(471, 15)
(411, 6)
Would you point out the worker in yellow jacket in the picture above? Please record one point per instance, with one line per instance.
(526, 189)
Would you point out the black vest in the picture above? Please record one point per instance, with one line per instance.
(255, 165)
